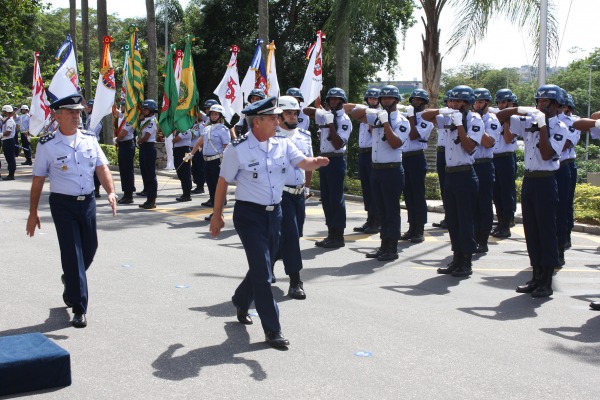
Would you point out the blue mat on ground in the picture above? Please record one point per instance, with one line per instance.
(32, 362)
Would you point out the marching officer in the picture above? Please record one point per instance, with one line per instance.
(23, 128)
(241, 127)
(292, 200)
(97, 131)
(415, 166)
(568, 157)
(125, 142)
(69, 158)
(257, 162)
(484, 168)
(8, 131)
(390, 131)
(146, 142)
(335, 131)
(303, 120)
(181, 147)
(464, 130)
(544, 135)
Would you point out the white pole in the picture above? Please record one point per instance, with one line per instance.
(587, 135)
(543, 42)
(166, 28)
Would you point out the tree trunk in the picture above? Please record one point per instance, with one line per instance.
(431, 59)
(342, 63)
(152, 84)
(85, 42)
(107, 122)
(263, 24)
(73, 24)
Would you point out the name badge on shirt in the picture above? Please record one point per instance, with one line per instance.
(254, 164)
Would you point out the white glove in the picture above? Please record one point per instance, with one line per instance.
(597, 123)
(457, 119)
(115, 140)
(383, 116)
(526, 110)
(400, 107)
(446, 111)
(372, 111)
(540, 118)
(329, 118)
(187, 157)
(493, 110)
(410, 111)
(321, 113)
(361, 106)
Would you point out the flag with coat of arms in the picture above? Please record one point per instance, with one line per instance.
(39, 110)
(185, 113)
(134, 90)
(272, 82)
(66, 80)
(170, 96)
(106, 87)
(256, 77)
(229, 90)
(313, 78)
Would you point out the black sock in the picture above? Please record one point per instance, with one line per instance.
(295, 279)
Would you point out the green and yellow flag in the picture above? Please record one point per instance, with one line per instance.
(188, 93)
(170, 97)
(134, 92)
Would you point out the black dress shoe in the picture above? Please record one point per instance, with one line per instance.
(320, 243)
(149, 205)
(8, 178)
(79, 321)
(595, 305)
(462, 271)
(333, 244)
(454, 264)
(28, 162)
(125, 200)
(198, 190)
(297, 292)
(142, 193)
(208, 218)
(207, 204)
(388, 256)
(371, 230)
(276, 339)
(183, 198)
(361, 228)
(376, 253)
(529, 287)
(542, 291)
(97, 194)
(501, 234)
(417, 238)
(243, 317)
(481, 248)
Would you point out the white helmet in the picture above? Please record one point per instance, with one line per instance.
(7, 109)
(25, 107)
(288, 103)
(217, 108)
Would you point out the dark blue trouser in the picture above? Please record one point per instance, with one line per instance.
(386, 185)
(259, 232)
(184, 170)
(484, 212)
(75, 223)
(514, 186)
(504, 186)
(198, 169)
(148, 169)
(211, 173)
(364, 174)
(563, 183)
(26, 146)
(573, 168)
(125, 156)
(293, 214)
(460, 200)
(539, 201)
(332, 192)
(8, 147)
(440, 166)
(415, 168)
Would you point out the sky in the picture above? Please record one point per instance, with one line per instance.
(506, 45)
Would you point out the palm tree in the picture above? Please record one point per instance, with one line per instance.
(152, 81)
(73, 23)
(85, 43)
(263, 23)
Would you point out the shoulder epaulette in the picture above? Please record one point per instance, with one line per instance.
(88, 133)
(304, 131)
(280, 135)
(46, 138)
(239, 140)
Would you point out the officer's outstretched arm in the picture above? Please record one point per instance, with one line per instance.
(312, 163)
(217, 222)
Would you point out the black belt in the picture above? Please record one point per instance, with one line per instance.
(386, 165)
(146, 143)
(538, 174)
(459, 168)
(365, 150)
(482, 160)
(412, 153)
(332, 154)
(125, 141)
(261, 207)
(441, 149)
(506, 154)
(567, 161)
(73, 198)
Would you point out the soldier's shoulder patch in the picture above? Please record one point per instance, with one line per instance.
(345, 126)
(88, 133)
(476, 128)
(402, 128)
(46, 138)
(239, 140)
(494, 126)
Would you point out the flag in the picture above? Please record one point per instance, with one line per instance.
(106, 87)
(65, 81)
(313, 78)
(256, 77)
(134, 85)
(229, 91)
(272, 82)
(185, 114)
(170, 95)
(124, 85)
(178, 62)
(39, 109)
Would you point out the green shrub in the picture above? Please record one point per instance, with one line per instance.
(520, 170)
(583, 167)
(587, 204)
(111, 153)
(520, 154)
(33, 141)
(432, 186)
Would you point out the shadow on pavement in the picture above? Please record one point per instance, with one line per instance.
(588, 333)
(519, 307)
(438, 285)
(507, 282)
(189, 365)
(58, 319)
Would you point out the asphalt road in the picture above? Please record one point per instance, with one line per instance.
(161, 324)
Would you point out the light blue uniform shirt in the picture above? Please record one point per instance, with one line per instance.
(185, 139)
(23, 122)
(501, 146)
(574, 135)
(533, 158)
(260, 174)
(196, 131)
(69, 169)
(344, 128)
(149, 125)
(97, 129)
(493, 129)
(303, 121)
(216, 137)
(382, 151)
(455, 153)
(125, 127)
(302, 140)
(441, 139)
(9, 126)
(424, 129)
